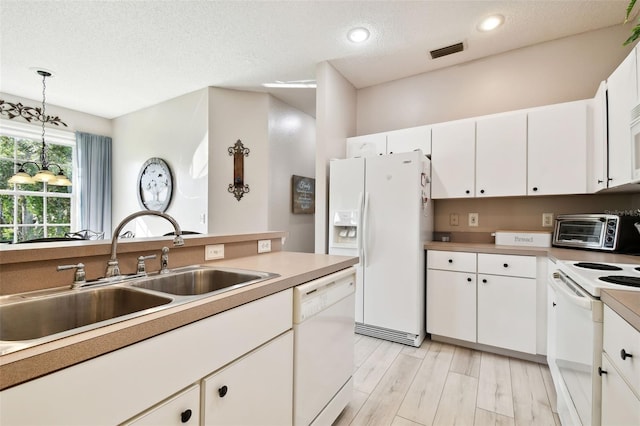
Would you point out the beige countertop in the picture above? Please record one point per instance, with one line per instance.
(553, 252)
(294, 269)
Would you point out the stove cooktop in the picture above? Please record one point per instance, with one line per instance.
(593, 277)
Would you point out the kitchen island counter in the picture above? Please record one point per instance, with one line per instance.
(294, 269)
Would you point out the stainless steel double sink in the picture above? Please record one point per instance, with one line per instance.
(33, 318)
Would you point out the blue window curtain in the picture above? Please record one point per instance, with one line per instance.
(94, 182)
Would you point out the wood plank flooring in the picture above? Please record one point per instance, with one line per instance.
(442, 384)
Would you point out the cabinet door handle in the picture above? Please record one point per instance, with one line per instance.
(484, 280)
(535, 188)
(467, 192)
(482, 191)
(506, 265)
(601, 371)
(450, 260)
(624, 355)
(469, 279)
(223, 391)
(553, 304)
(185, 416)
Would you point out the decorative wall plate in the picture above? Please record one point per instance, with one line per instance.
(155, 185)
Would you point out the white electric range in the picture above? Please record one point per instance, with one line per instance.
(574, 332)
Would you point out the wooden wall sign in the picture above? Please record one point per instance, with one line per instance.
(303, 195)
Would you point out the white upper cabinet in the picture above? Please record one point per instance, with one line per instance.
(557, 149)
(367, 145)
(407, 140)
(453, 159)
(622, 95)
(597, 148)
(501, 155)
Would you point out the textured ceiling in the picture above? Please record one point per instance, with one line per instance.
(110, 58)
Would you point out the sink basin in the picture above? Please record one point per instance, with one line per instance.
(202, 280)
(43, 316)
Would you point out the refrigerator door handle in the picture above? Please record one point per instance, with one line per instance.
(360, 231)
(365, 222)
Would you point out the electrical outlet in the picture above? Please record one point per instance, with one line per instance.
(473, 219)
(453, 219)
(214, 251)
(547, 219)
(264, 246)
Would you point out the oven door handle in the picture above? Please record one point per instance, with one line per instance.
(569, 291)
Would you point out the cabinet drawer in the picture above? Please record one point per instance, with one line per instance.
(182, 409)
(507, 264)
(620, 336)
(619, 405)
(451, 260)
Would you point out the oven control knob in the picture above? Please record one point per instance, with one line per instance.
(624, 355)
(609, 239)
(601, 371)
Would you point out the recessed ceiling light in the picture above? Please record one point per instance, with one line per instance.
(491, 23)
(358, 35)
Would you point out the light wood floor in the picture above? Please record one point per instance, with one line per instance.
(442, 384)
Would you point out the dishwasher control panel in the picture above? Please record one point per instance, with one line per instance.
(317, 295)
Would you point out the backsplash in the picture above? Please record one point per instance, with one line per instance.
(524, 213)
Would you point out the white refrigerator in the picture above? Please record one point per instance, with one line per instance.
(380, 210)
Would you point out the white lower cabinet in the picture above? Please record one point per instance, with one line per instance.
(507, 312)
(451, 304)
(494, 304)
(620, 371)
(254, 390)
(182, 409)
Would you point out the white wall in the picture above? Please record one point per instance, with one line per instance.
(292, 145)
(177, 132)
(335, 121)
(557, 71)
(75, 120)
(234, 115)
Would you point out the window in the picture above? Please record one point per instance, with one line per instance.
(37, 210)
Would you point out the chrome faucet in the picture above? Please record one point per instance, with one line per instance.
(113, 270)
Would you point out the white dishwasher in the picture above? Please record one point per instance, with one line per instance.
(323, 326)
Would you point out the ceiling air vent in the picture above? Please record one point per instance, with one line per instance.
(444, 51)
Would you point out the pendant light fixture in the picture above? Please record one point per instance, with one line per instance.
(43, 173)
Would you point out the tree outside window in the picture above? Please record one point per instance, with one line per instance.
(33, 210)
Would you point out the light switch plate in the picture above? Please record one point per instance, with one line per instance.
(214, 251)
(547, 220)
(453, 219)
(264, 246)
(473, 219)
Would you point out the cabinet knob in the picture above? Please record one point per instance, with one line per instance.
(600, 181)
(450, 260)
(482, 191)
(601, 371)
(553, 304)
(185, 416)
(467, 192)
(506, 265)
(624, 355)
(484, 280)
(469, 279)
(223, 391)
(535, 188)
